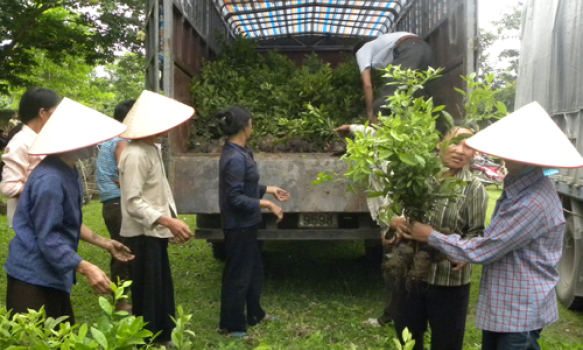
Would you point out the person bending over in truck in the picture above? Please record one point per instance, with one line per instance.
(42, 258)
(399, 49)
(149, 217)
(523, 244)
(240, 202)
(108, 183)
(444, 294)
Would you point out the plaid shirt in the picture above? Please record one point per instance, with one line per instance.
(519, 251)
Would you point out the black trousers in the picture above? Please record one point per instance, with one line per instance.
(242, 281)
(152, 287)
(111, 213)
(21, 296)
(390, 301)
(444, 308)
(411, 54)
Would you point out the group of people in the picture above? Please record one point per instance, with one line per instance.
(519, 249)
(45, 194)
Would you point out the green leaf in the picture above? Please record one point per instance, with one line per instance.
(460, 91)
(395, 135)
(105, 306)
(448, 117)
(99, 337)
(420, 160)
(407, 158)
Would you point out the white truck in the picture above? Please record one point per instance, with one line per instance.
(551, 73)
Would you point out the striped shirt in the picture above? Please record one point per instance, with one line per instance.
(107, 170)
(520, 250)
(465, 217)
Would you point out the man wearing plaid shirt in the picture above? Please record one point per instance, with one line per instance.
(522, 246)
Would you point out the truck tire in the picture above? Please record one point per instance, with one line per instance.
(570, 266)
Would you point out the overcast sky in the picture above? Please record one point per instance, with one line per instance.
(492, 10)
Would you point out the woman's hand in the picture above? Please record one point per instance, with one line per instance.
(272, 207)
(399, 224)
(178, 228)
(98, 280)
(119, 251)
(418, 232)
(456, 264)
(278, 193)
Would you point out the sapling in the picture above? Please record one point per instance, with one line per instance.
(401, 159)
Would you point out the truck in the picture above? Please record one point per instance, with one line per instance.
(180, 34)
(551, 73)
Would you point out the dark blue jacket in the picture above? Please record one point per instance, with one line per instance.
(47, 223)
(239, 188)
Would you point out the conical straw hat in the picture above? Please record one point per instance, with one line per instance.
(529, 136)
(73, 126)
(153, 114)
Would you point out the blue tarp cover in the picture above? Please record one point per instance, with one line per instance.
(271, 19)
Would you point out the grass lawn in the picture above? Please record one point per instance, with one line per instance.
(323, 291)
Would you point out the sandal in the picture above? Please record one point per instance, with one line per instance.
(271, 318)
(239, 335)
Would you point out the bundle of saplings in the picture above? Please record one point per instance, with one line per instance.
(295, 108)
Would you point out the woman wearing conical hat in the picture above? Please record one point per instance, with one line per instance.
(42, 257)
(34, 110)
(148, 210)
(523, 244)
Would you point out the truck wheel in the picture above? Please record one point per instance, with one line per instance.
(570, 266)
(218, 248)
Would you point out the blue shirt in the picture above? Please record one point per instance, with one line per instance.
(47, 223)
(239, 188)
(107, 170)
(520, 251)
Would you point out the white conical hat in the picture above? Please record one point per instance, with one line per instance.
(73, 126)
(530, 136)
(153, 114)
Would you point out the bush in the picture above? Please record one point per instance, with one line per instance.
(113, 330)
(294, 108)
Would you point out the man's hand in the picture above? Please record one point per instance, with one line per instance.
(278, 193)
(119, 251)
(98, 280)
(417, 231)
(178, 228)
(343, 130)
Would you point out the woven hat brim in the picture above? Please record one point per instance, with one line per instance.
(530, 136)
(73, 126)
(154, 114)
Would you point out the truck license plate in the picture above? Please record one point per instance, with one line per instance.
(318, 221)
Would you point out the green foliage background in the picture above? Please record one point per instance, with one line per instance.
(275, 89)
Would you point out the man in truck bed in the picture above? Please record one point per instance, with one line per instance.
(399, 48)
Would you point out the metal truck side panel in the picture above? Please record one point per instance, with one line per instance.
(195, 178)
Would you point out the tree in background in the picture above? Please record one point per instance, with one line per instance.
(127, 76)
(73, 78)
(93, 30)
(506, 71)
